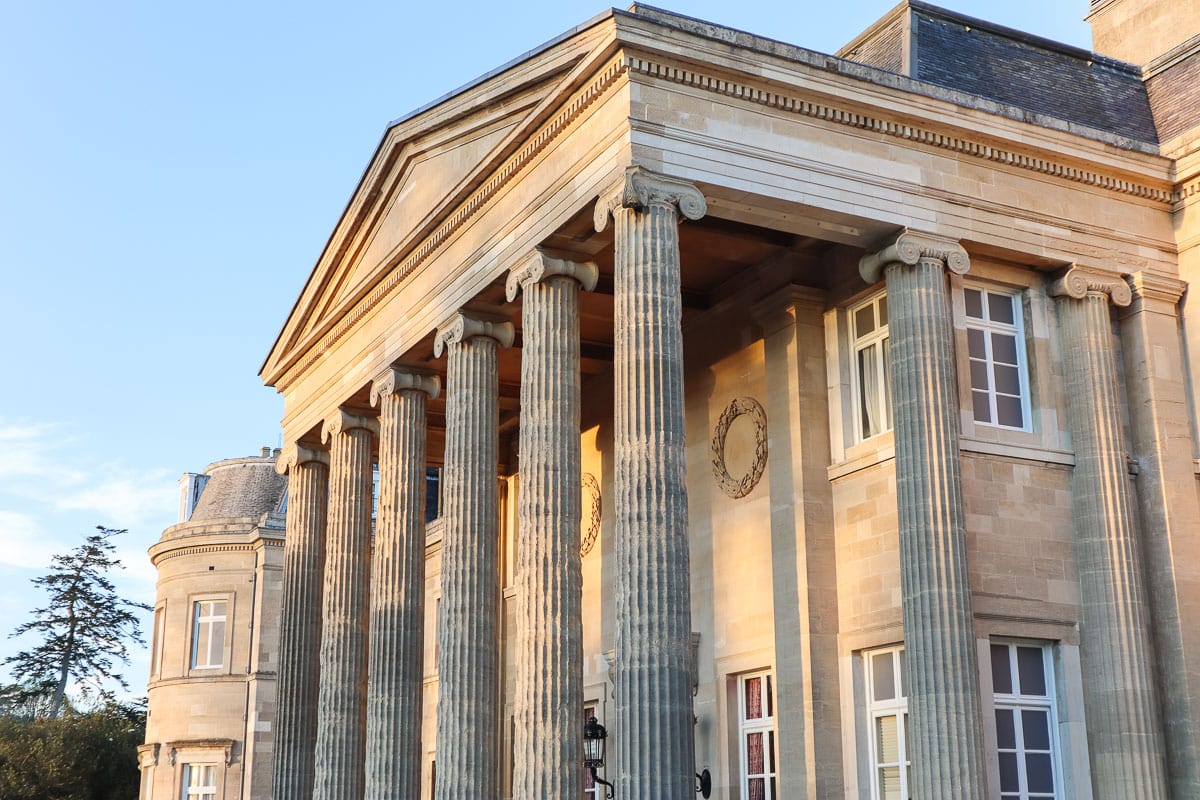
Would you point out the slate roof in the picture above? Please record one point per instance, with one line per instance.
(240, 487)
(1038, 75)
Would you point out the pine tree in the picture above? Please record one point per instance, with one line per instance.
(85, 626)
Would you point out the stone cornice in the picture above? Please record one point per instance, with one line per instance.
(395, 379)
(225, 745)
(463, 326)
(342, 420)
(583, 99)
(1078, 283)
(641, 188)
(908, 248)
(296, 454)
(539, 266)
(959, 144)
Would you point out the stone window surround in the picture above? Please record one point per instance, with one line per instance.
(1045, 442)
(158, 638)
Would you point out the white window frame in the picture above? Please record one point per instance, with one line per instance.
(194, 787)
(1016, 701)
(199, 619)
(764, 725)
(989, 326)
(881, 337)
(876, 709)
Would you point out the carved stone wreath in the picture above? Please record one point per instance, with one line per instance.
(591, 513)
(740, 487)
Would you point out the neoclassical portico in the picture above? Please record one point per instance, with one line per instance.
(682, 383)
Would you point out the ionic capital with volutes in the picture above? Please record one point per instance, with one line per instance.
(394, 379)
(463, 326)
(642, 188)
(911, 247)
(342, 421)
(296, 454)
(1077, 283)
(538, 266)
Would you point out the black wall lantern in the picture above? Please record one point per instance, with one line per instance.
(594, 735)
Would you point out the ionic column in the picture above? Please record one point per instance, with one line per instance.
(548, 742)
(397, 621)
(1124, 734)
(300, 623)
(654, 723)
(945, 719)
(468, 713)
(341, 710)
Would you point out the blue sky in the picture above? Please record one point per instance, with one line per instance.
(168, 176)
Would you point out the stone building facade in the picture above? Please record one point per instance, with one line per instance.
(823, 422)
(215, 636)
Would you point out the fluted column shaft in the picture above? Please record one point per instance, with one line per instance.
(300, 623)
(397, 621)
(468, 725)
(548, 741)
(654, 718)
(1124, 733)
(945, 716)
(341, 723)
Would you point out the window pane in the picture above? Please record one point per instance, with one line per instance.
(758, 789)
(1035, 728)
(754, 754)
(883, 676)
(975, 344)
(883, 311)
(771, 751)
(1000, 308)
(1009, 411)
(1001, 672)
(864, 320)
(979, 375)
(889, 783)
(1008, 380)
(1039, 772)
(1006, 734)
(887, 384)
(974, 301)
(1009, 781)
(753, 693)
(981, 408)
(887, 742)
(1004, 348)
(770, 697)
(1030, 668)
(217, 643)
(903, 673)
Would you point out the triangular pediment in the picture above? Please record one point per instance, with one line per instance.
(423, 168)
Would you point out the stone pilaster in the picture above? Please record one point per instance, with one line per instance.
(803, 557)
(341, 709)
(468, 713)
(397, 621)
(548, 740)
(1161, 436)
(300, 623)
(945, 718)
(1124, 734)
(653, 730)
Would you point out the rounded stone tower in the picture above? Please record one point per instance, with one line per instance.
(215, 634)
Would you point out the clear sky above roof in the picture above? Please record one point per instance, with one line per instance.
(168, 175)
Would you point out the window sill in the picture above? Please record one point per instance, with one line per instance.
(875, 450)
(968, 444)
